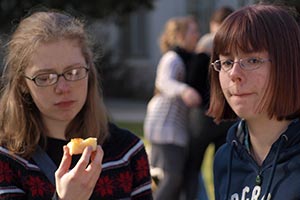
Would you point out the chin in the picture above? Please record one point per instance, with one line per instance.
(66, 116)
(242, 113)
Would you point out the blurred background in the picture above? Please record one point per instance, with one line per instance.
(128, 32)
(125, 37)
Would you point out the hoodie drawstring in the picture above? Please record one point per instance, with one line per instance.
(283, 138)
(233, 144)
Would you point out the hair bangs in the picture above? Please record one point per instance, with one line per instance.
(241, 33)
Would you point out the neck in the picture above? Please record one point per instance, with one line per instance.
(56, 129)
(263, 133)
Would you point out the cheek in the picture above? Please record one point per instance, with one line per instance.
(262, 81)
(224, 81)
(40, 98)
(82, 91)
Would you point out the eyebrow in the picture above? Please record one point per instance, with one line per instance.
(51, 70)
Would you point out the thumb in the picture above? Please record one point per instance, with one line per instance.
(65, 163)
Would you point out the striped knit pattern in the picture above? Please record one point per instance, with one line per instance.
(125, 172)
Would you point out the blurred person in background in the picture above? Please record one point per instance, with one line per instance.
(203, 130)
(204, 44)
(166, 122)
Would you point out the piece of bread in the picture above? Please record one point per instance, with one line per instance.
(77, 145)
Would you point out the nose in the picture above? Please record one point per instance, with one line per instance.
(236, 72)
(62, 85)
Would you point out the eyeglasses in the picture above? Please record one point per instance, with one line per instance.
(247, 64)
(47, 79)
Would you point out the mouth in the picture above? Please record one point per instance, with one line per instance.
(64, 104)
(240, 95)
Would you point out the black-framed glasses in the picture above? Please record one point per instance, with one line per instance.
(247, 64)
(47, 79)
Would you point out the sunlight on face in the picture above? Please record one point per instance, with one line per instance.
(63, 100)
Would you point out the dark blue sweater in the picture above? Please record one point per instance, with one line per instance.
(238, 177)
(125, 171)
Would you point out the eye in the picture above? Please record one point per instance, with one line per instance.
(45, 77)
(75, 73)
(71, 72)
(226, 63)
(253, 61)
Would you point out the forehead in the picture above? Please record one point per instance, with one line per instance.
(56, 55)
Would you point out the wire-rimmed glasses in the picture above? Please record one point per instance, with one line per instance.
(247, 64)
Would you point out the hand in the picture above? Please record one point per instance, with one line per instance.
(191, 97)
(79, 182)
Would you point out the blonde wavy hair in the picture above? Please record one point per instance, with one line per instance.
(21, 126)
(174, 32)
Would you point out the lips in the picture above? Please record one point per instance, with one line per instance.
(240, 94)
(65, 104)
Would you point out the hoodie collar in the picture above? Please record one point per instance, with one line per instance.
(239, 134)
(237, 138)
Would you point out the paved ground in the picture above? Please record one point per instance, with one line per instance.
(126, 110)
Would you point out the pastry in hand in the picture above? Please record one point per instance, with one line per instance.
(77, 145)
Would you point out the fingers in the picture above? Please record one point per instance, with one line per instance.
(82, 178)
(89, 157)
(96, 158)
(84, 160)
(65, 163)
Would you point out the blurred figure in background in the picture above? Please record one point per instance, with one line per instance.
(203, 130)
(205, 43)
(166, 121)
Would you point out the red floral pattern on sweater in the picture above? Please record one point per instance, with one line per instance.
(6, 174)
(142, 168)
(104, 186)
(37, 186)
(125, 180)
(125, 173)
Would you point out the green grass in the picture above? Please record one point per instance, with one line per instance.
(137, 128)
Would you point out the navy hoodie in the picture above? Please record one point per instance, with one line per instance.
(238, 177)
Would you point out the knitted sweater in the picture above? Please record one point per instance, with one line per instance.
(125, 171)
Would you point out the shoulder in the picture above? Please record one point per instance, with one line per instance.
(205, 42)
(206, 39)
(200, 62)
(232, 137)
(171, 57)
(7, 158)
(202, 57)
(121, 146)
(120, 135)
